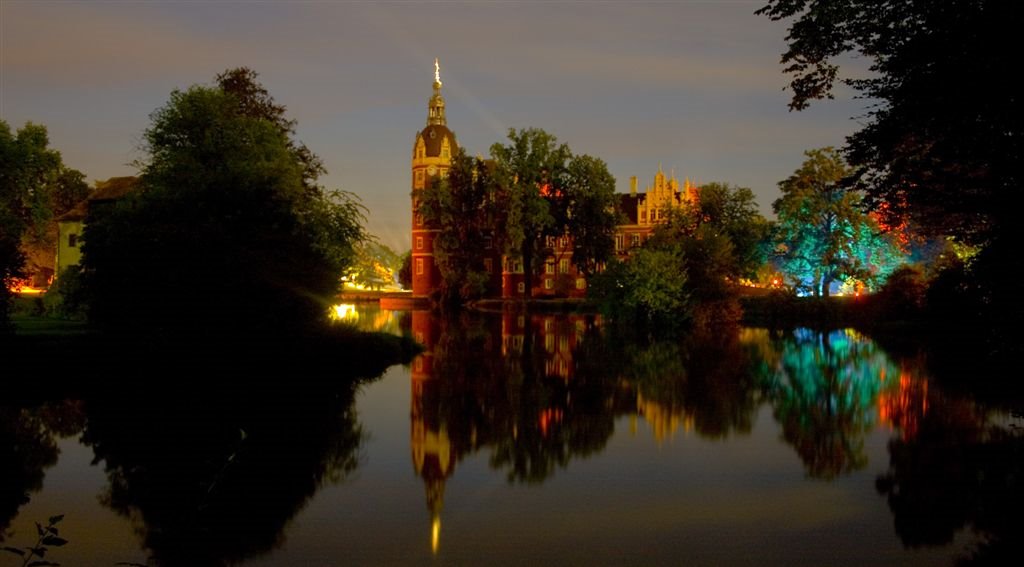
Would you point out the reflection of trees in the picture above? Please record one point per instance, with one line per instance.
(28, 446)
(823, 389)
(703, 379)
(958, 470)
(540, 391)
(214, 475)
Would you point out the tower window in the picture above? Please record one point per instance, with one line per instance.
(419, 243)
(419, 266)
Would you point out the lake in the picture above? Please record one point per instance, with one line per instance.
(542, 439)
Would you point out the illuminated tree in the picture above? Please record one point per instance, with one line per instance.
(823, 235)
(948, 158)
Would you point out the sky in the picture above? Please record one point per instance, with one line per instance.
(695, 87)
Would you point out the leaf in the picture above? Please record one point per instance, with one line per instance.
(54, 541)
(15, 550)
(39, 528)
(39, 551)
(55, 519)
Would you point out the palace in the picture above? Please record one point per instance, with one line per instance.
(432, 153)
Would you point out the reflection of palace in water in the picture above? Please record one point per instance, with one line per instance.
(434, 453)
(539, 390)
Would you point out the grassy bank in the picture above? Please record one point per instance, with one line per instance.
(51, 352)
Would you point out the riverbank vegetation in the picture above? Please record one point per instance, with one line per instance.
(227, 243)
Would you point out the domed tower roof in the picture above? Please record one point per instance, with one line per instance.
(433, 137)
(437, 131)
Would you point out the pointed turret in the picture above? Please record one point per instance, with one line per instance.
(435, 115)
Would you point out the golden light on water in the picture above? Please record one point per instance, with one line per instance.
(435, 535)
(344, 312)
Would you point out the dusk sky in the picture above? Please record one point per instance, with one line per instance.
(693, 86)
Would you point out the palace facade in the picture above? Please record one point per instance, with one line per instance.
(433, 149)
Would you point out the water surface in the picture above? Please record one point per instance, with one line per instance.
(540, 439)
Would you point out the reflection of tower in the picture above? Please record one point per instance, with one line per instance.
(431, 157)
(432, 456)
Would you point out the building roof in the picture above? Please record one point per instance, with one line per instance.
(433, 135)
(106, 191)
(77, 213)
(113, 188)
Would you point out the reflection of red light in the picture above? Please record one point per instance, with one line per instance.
(548, 418)
(904, 406)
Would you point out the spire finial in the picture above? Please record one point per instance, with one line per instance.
(437, 72)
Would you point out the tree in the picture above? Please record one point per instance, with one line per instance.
(822, 233)
(650, 287)
(531, 168)
(405, 271)
(731, 211)
(465, 207)
(942, 146)
(227, 237)
(255, 102)
(690, 263)
(35, 187)
(550, 192)
(589, 209)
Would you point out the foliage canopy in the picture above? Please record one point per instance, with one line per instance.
(35, 188)
(822, 234)
(229, 233)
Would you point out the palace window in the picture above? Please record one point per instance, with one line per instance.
(634, 240)
(581, 283)
(488, 242)
(488, 265)
(549, 267)
(619, 243)
(521, 288)
(549, 283)
(563, 266)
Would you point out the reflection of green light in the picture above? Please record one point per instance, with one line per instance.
(841, 366)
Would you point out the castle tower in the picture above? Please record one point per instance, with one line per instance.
(432, 153)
